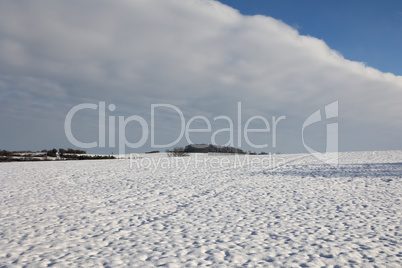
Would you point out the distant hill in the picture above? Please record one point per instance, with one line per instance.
(211, 148)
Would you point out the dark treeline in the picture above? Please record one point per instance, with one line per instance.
(203, 148)
(210, 148)
(207, 148)
(47, 155)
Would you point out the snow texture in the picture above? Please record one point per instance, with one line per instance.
(203, 210)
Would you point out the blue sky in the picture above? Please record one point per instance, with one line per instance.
(361, 30)
(202, 57)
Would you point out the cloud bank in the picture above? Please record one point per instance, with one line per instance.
(199, 55)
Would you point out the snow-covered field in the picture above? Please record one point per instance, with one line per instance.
(203, 211)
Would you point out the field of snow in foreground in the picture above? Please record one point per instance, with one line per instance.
(203, 211)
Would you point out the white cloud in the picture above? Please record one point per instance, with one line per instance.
(201, 56)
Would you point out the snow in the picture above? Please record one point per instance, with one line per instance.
(261, 211)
